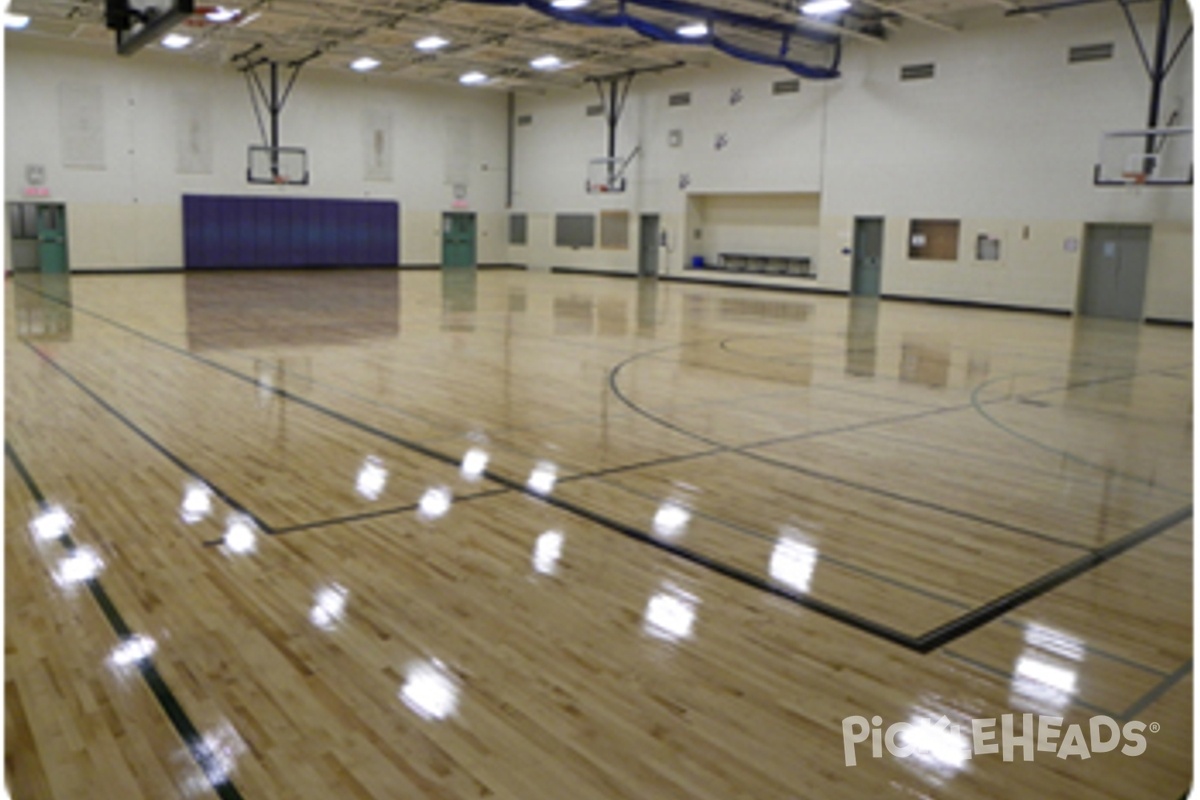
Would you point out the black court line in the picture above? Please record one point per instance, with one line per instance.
(981, 616)
(1156, 693)
(1016, 434)
(923, 644)
(916, 501)
(818, 475)
(207, 760)
(1009, 678)
(754, 581)
(147, 438)
(369, 515)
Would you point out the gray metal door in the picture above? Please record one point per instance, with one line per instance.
(868, 256)
(1116, 259)
(648, 246)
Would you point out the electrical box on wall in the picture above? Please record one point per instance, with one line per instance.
(675, 138)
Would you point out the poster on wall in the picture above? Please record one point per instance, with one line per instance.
(377, 144)
(457, 144)
(81, 125)
(193, 133)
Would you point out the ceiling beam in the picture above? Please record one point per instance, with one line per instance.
(901, 11)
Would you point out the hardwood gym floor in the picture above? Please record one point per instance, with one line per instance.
(518, 535)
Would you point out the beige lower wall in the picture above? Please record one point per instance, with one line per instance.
(421, 237)
(1169, 284)
(111, 236)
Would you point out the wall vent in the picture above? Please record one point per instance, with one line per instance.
(1090, 52)
(680, 99)
(916, 72)
(525, 120)
(786, 87)
(596, 110)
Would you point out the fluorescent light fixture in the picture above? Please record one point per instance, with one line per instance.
(693, 30)
(473, 78)
(431, 43)
(329, 607)
(547, 552)
(435, 503)
(223, 14)
(793, 563)
(176, 41)
(546, 62)
(671, 519)
(670, 614)
(15, 21)
(817, 8)
(364, 64)
(569, 5)
(79, 567)
(197, 503)
(474, 464)
(372, 478)
(52, 523)
(936, 745)
(430, 690)
(542, 479)
(239, 535)
(132, 651)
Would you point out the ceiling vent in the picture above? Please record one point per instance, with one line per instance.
(916, 72)
(525, 120)
(680, 99)
(596, 110)
(1090, 52)
(786, 87)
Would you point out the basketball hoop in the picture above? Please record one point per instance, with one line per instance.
(1136, 178)
(280, 180)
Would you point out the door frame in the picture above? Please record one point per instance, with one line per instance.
(854, 258)
(446, 217)
(1085, 250)
(644, 247)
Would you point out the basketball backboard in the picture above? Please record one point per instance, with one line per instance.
(138, 23)
(1150, 157)
(281, 166)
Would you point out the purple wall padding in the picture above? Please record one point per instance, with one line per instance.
(222, 231)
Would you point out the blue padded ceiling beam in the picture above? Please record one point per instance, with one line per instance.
(625, 16)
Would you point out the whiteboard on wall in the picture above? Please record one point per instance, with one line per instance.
(377, 144)
(81, 125)
(193, 133)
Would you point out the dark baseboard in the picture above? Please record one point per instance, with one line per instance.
(193, 270)
(1177, 323)
(313, 267)
(770, 287)
(598, 273)
(942, 301)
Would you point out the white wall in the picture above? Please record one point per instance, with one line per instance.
(1004, 138)
(128, 215)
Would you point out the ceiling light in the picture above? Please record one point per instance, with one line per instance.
(364, 64)
(176, 41)
(473, 79)
(693, 30)
(569, 5)
(15, 21)
(546, 62)
(431, 43)
(816, 8)
(223, 14)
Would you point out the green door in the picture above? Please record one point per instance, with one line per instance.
(458, 240)
(52, 238)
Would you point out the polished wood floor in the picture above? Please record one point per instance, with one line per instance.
(531, 536)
